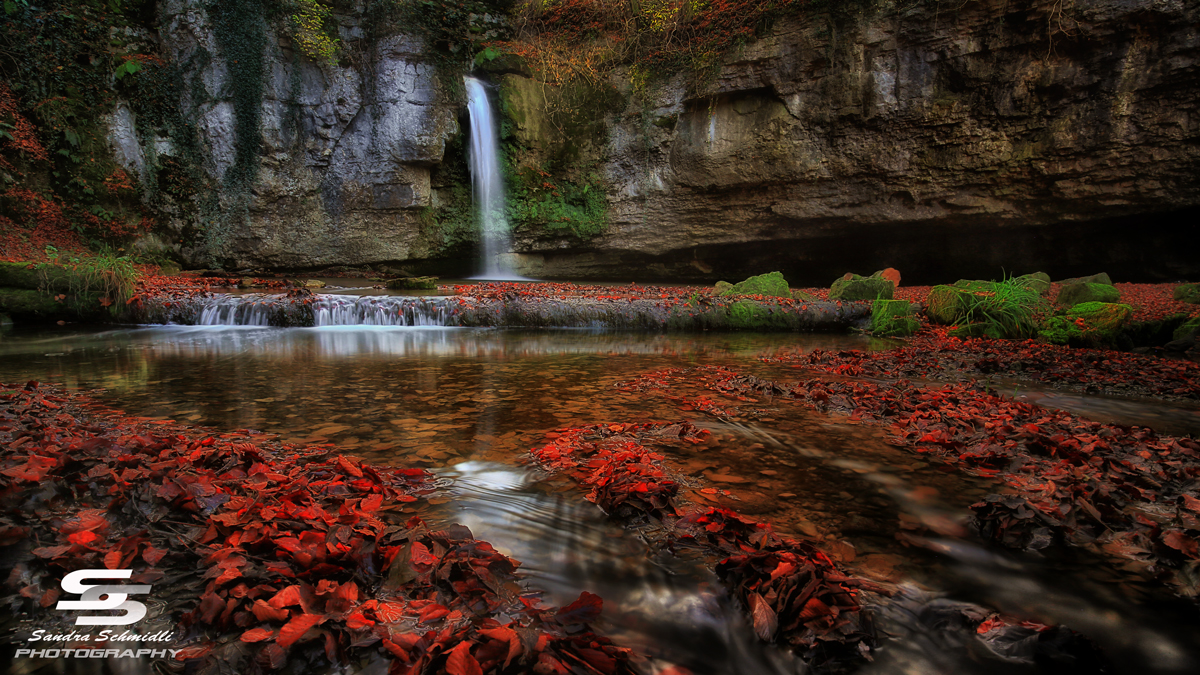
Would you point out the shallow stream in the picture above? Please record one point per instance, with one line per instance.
(470, 403)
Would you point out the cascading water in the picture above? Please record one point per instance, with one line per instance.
(487, 185)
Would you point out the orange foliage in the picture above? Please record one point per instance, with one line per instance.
(40, 223)
(23, 134)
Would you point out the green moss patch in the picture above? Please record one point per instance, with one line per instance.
(1188, 293)
(769, 284)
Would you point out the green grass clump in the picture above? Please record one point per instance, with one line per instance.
(893, 318)
(1008, 308)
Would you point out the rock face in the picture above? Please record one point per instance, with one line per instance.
(947, 140)
(344, 152)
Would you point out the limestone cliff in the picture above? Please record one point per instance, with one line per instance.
(946, 139)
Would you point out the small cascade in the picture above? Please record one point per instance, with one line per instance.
(237, 310)
(487, 186)
(343, 310)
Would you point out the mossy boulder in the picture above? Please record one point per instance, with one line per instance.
(413, 284)
(1189, 293)
(1101, 278)
(893, 318)
(1188, 329)
(1088, 324)
(1037, 281)
(1078, 293)
(946, 304)
(722, 287)
(855, 287)
(769, 284)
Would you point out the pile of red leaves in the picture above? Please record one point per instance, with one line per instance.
(935, 356)
(283, 553)
(792, 591)
(1129, 491)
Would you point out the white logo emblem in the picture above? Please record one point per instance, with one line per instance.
(90, 594)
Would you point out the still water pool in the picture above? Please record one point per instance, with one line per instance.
(468, 404)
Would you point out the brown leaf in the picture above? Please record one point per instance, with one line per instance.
(765, 620)
(258, 635)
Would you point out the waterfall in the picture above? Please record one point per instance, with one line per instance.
(487, 185)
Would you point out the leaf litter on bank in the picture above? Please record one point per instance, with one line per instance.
(278, 554)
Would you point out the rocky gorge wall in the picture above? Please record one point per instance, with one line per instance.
(945, 140)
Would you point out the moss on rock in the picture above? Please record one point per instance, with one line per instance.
(856, 287)
(1101, 278)
(1088, 324)
(1189, 293)
(1189, 327)
(945, 304)
(24, 303)
(413, 284)
(769, 284)
(1083, 292)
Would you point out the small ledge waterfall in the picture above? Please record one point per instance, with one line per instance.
(487, 186)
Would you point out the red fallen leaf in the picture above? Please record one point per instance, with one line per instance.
(297, 627)
(33, 470)
(505, 634)
(461, 662)
(286, 597)
(112, 559)
(1191, 503)
(432, 613)
(765, 620)
(264, 612)
(584, 610)
(153, 555)
(421, 555)
(343, 598)
(812, 609)
(371, 503)
(358, 621)
(1181, 542)
(258, 635)
(396, 650)
(349, 467)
